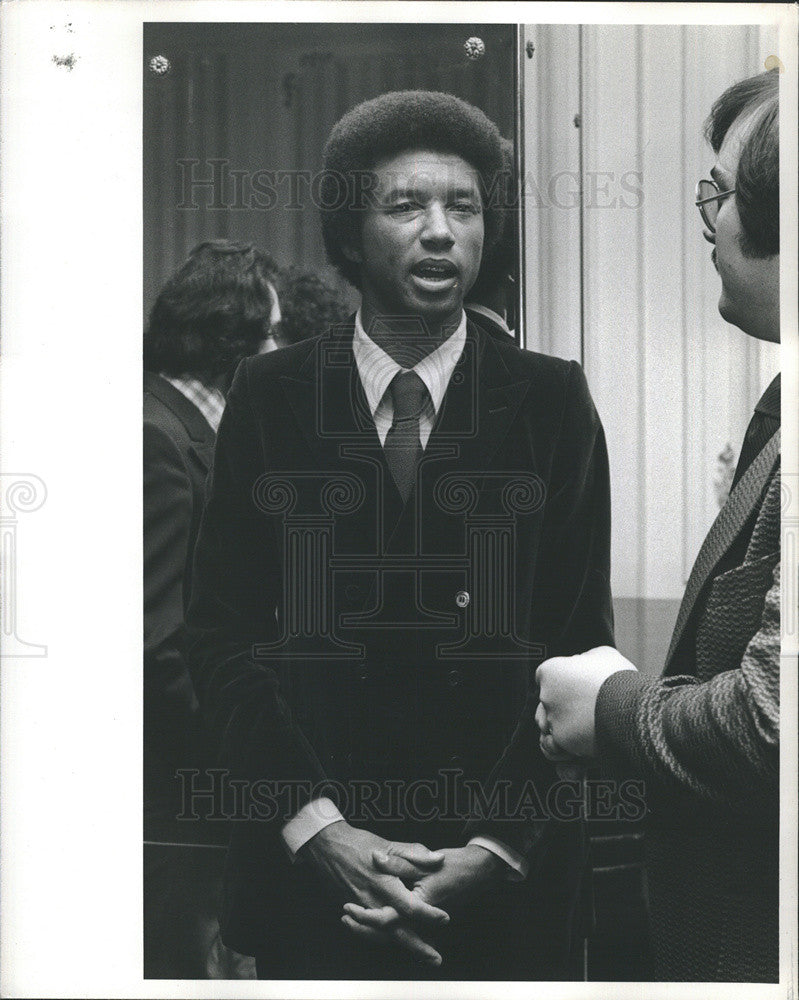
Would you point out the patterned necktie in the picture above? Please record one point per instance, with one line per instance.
(403, 446)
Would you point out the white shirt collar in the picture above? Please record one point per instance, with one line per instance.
(376, 368)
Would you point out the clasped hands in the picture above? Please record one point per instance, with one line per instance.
(394, 891)
(568, 687)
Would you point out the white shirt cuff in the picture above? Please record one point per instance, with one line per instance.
(313, 817)
(518, 865)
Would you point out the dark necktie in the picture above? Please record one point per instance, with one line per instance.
(403, 446)
(760, 429)
(762, 426)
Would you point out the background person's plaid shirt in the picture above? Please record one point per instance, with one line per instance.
(210, 402)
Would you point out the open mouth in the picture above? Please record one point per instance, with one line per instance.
(433, 270)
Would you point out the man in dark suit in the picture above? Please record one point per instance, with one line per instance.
(216, 309)
(706, 736)
(404, 516)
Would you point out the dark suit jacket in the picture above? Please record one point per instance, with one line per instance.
(342, 636)
(706, 741)
(178, 449)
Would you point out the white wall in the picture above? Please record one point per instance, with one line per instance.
(626, 284)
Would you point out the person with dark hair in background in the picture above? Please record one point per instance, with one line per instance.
(309, 306)
(359, 642)
(219, 307)
(705, 738)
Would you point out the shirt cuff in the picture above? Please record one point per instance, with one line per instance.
(313, 817)
(518, 865)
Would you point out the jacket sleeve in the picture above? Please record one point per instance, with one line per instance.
(236, 592)
(572, 609)
(714, 742)
(169, 699)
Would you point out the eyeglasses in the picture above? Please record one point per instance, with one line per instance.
(708, 201)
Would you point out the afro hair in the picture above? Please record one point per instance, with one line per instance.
(386, 126)
(501, 261)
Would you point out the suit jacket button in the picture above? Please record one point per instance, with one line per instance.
(363, 674)
(462, 598)
(454, 678)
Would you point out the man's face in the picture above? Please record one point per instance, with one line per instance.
(750, 286)
(422, 237)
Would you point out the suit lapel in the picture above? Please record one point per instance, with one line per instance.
(327, 398)
(725, 529)
(197, 427)
(477, 410)
(202, 435)
(330, 409)
(328, 403)
(480, 403)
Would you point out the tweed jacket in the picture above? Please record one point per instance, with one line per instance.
(705, 739)
(342, 637)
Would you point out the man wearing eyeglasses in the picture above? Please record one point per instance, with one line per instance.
(705, 737)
